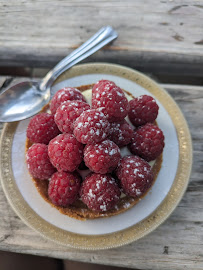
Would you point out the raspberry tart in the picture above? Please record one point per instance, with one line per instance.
(99, 151)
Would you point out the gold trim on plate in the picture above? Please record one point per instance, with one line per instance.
(135, 232)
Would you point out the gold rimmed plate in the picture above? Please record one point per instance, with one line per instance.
(124, 228)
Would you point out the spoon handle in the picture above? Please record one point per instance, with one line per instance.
(101, 38)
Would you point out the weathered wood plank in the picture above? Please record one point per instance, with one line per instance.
(176, 244)
(163, 36)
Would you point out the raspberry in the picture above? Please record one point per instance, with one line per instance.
(65, 152)
(100, 192)
(120, 133)
(67, 93)
(112, 99)
(135, 175)
(38, 162)
(91, 127)
(143, 109)
(67, 113)
(42, 128)
(147, 142)
(64, 188)
(99, 83)
(102, 157)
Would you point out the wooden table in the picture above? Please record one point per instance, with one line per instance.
(163, 36)
(158, 37)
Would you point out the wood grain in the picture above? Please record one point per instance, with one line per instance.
(160, 35)
(176, 244)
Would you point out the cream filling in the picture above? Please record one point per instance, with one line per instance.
(88, 96)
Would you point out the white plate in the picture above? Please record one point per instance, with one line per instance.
(134, 215)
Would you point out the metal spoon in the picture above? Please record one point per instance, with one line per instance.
(27, 98)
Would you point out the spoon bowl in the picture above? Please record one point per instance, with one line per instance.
(22, 101)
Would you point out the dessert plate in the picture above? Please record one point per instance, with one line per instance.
(124, 228)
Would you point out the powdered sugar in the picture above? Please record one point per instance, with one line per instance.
(119, 93)
(138, 192)
(104, 179)
(135, 171)
(91, 194)
(98, 185)
(103, 207)
(127, 205)
(113, 152)
(79, 125)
